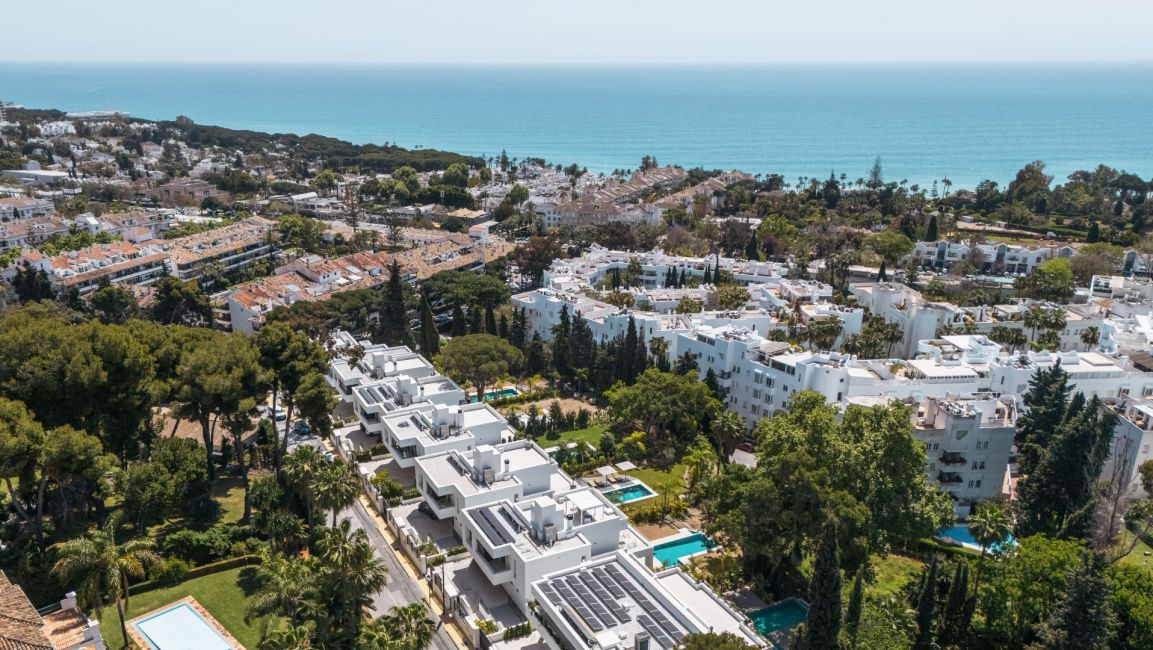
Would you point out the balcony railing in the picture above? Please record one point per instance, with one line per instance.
(949, 477)
(952, 458)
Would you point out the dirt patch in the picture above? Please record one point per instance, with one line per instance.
(567, 405)
(664, 529)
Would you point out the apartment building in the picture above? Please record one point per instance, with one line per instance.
(30, 231)
(1132, 439)
(994, 258)
(226, 250)
(121, 263)
(522, 520)
(15, 209)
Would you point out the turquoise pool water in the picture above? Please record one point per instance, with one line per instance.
(784, 615)
(180, 628)
(670, 553)
(630, 493)
(491, 395)
(961, 534)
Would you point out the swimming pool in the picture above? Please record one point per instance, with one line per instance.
(491, 395)
(782, 616)
(633, 492)
(670, 553)
(961, 534)
(180, 628)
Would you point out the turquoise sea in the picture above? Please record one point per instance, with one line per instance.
(962, 122)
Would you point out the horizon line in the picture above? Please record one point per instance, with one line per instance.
(600, 64)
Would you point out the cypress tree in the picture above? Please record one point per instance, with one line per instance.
(881, 275)
(1084, 617)
(393, 323)
(641, 359)
(1094, 234)
(516, 334)
(681, 279)
(627, 369)
(956, 617)
(708, 276)
(823, 625)
(856, 604)
(475, 320)
(752, 249)
(489, 320)
(615, 276)
(502, 328)
(926, 609)
(534, 360)
(561, 334)
(429, 338)
(459, 324)
(1046, 400)
(670, 278)
(931, 230)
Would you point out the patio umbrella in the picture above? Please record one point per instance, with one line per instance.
(606, 470)
(626, 465)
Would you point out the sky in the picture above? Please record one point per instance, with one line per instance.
(639, 32)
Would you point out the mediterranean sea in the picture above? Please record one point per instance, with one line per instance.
(963, 122)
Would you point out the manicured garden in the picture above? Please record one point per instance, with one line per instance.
(223, 594)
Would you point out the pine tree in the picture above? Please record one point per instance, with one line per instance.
(429, 338)
(926, 609)
(1046, 401)
(1083, 618)
(459, 324)
(856, 604)
(489, 320)
(956, 617)
(931, 231)
(823, 625)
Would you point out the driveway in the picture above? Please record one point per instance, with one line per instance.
(401, 589)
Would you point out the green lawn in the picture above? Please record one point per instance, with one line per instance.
(222, 594)
(591, 435)
(228, 491)
(892, 574)
(670, 482)
(1136, 557)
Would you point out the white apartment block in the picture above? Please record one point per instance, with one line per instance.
(522, 519)
(22, 208)
(1132, 439)
(994, 258)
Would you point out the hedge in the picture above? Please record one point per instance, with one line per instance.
(207, 569)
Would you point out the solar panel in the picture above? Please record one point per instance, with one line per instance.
(609, 583)
(655, 632)
(491, 529)
(592, 603)
(550, 593)
(603, 594)
(584, 612)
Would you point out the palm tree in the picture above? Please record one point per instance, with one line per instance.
(281, 634)
(336, 486)
(285, 531)
(101, 567)
(409, 628)
(1090, 336)
(990, 526)
(285, 586)
(300, 469)
(352, 574)
(728, 431)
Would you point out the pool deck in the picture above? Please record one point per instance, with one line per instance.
(624, 483)
(141, 642)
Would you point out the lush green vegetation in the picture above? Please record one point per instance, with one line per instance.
(225, 595)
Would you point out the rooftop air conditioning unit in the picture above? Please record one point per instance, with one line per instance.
(489, 476)
(550, 534)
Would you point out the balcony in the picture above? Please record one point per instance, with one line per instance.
(497, 569)
(952, 458)
(949, 477)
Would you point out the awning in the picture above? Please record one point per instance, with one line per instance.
(626, 465)
(606, 470)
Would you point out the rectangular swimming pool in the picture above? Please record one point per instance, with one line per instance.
(180, 628)
(961, 534)
(670, 553)
(631, 493)
(491, 395)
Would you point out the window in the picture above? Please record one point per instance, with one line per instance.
(974, 464)
(982, 465)
(978, 482)
(970, 483)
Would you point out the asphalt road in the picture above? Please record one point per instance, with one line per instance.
(401, 589)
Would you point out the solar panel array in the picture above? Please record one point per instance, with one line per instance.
(494, 532)
(655, 632)
(656, 616)
(597, 588)
(581, 609)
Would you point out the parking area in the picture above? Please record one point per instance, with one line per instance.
(424, 527)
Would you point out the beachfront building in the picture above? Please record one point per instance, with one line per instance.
(995, 257)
